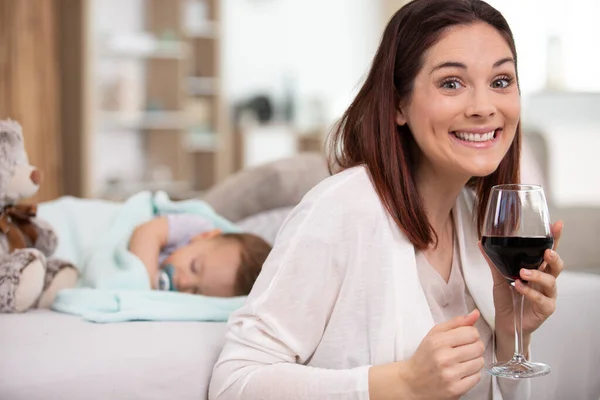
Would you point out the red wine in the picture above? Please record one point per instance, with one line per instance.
(510, 254)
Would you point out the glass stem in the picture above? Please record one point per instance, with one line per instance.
(518, 300)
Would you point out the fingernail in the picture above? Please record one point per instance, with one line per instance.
(526, 272)
(554, 255)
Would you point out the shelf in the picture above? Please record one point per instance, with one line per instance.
(207, 30)
(146, 49)
(176, 114)
(201, 86)
(201, 142)
(150, 120)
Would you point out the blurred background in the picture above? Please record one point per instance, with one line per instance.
(118, 96)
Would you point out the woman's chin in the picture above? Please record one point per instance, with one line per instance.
(481, 171)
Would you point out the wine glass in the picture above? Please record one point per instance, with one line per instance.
(516, 233)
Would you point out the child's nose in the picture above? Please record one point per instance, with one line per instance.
(185, 284)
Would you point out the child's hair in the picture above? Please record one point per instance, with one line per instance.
(254, 251)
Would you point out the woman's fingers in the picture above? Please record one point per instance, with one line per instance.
(498, 278)
(467, 383)
(471, 367)
(544, 280)
(459, 337)
(554, 263)
(545, 305)
(468, 352)
(556, 231)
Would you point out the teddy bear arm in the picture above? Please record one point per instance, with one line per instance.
(21, 279)
(47, 239)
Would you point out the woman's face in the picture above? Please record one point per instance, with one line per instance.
(465, 105)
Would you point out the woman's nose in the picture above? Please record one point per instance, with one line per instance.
(36, 176)
(481, 105)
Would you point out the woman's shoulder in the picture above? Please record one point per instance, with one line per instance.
(352, 181)
(348, 190)
(348, 196)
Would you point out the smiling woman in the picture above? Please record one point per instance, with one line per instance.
(376, 288)
(464, 114)
(464, 84)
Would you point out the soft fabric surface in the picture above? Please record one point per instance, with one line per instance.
(95, 238)
(53, 356)
(265, 224)
(47, 355)
(277, 184)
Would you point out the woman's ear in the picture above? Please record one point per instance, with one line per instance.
(207, 235)
(400, 116)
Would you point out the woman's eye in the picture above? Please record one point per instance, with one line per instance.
(501, 83)
(451, 85)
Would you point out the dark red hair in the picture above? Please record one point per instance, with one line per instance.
(367, 134)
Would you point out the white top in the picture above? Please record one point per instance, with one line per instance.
(450, 299)
(338, 293)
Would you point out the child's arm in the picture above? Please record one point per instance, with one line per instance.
(147, 241)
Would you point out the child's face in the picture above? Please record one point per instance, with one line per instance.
(207, 265)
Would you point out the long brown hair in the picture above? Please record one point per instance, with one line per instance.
(367, 133)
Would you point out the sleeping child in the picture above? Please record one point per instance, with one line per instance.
(183, 252)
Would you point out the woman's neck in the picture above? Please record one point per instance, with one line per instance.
(438, 193)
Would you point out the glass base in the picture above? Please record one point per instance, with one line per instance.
(518, 368)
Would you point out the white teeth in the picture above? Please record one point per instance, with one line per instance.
(475, 137)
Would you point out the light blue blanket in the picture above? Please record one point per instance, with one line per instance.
(114, 285)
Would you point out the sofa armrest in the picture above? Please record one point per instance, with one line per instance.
(580, 242)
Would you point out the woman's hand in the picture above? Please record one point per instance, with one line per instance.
(540, 291)
(446, 365)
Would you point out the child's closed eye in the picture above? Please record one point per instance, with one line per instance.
(195, 266)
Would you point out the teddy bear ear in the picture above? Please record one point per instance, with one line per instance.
(11, 133)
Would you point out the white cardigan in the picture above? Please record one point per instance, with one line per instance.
(338, 293)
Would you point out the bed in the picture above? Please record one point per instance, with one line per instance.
(48, 355)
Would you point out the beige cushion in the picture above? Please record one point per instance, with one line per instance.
(277, 184)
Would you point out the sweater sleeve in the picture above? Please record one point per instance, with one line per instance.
(271, 338)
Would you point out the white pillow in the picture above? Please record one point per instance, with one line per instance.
(265, 224)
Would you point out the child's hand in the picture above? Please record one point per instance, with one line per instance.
(146, 242)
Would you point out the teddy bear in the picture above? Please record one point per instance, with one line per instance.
(29, 275)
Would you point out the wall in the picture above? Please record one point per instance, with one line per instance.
(534, 21)
(566, 113)
(324, 46)
(30, 85)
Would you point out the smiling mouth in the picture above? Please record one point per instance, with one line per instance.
(477, 137)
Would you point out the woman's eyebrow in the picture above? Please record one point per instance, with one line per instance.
(504, 61)
(455, 64)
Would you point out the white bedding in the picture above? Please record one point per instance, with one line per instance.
(47, 355)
